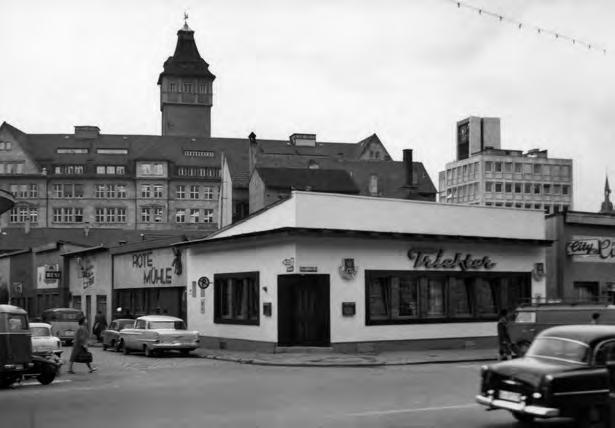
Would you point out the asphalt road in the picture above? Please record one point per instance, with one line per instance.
(134, 391)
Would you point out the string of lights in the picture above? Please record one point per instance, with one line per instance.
(523, 26)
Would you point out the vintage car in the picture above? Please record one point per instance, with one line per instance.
(153, 334)
(64, 322)
(111, 336)
(43, 342)
(565, 373)
(529, 320)
(16, 358)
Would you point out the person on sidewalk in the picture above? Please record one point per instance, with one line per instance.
(503, 337)
(100, 325)
(80, 346)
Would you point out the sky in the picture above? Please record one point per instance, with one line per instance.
(407, 70)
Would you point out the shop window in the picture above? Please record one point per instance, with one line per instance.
(486, 293)
(460, 303)
(586, 291)
(435, 298)
(236, 299)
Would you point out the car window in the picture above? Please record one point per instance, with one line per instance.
(559, 349)
(172, 325)
(125, 324)
(113, 326)
(16, 322)
(40, 331)
(140, 324)
(605, 353)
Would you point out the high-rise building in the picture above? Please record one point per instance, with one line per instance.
(485, 174)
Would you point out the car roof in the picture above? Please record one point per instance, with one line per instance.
(588, 333)
(159, 318)
(12, 309)
(39, 324)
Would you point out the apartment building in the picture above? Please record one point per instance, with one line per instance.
(487, 175)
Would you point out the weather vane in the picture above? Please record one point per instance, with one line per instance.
(186, 17)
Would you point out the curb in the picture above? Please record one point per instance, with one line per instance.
(257, 362)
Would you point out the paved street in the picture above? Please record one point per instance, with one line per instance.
(134, 391)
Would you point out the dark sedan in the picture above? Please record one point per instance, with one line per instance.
(563, 374)
(111, 335)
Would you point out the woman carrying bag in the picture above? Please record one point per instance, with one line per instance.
(80, 353)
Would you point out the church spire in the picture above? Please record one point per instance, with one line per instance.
(607, 205)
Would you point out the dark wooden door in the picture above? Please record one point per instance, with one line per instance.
(303, 310)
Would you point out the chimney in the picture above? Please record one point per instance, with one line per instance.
(408, 167)
(87, 132)
(252, 151)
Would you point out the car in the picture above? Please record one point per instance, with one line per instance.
(64, 322)
(43, 342)
(111, 336)
(153, 334)
(17, 360)
(529, 320)
(565, 373)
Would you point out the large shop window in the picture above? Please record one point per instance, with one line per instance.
(398, 297)
(236, 298)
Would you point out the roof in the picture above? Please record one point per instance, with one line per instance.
(186, 61)
(587, 333)
(159, 318)
(40, 324)
(6, 201)
(317, 180)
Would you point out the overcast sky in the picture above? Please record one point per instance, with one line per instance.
(406, 70)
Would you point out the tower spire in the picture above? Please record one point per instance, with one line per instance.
(607, 205)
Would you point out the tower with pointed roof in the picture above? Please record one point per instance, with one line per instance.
(607, 205)
(186, 90)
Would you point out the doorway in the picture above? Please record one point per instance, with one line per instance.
(303, 310)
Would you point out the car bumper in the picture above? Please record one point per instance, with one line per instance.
(171, 346)
(538, 411)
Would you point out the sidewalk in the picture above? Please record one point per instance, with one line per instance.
(332, 359)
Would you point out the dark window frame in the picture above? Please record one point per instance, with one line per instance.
(219, 279)
(501, 296)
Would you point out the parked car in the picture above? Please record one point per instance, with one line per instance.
(16, 358)
(152, 334)
(64, 322)
(530, 320)
(111, 336)
(565, 373)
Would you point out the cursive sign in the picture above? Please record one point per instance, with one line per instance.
(592, 249)
(437, 260)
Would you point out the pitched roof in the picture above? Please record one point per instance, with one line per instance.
(186, 61)
(317, 180)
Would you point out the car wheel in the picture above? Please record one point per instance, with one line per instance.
(6, 382)
(48, 374)
(523, 417)
(591, 416)
(123, 347)
(149, 352)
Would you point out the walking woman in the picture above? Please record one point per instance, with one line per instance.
(80, 352)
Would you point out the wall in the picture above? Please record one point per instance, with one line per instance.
(90, 275)
(186, 120)
(256, 192)
(148, 268)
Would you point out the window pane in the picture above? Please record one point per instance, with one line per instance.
(486, 296)
(408, 298)
(459, 297)
(435, 298)
(379, 299)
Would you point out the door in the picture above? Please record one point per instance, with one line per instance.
(303, 310)
(88, 312)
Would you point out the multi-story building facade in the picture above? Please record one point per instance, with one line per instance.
(485, 174)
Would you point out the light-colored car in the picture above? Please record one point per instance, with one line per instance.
(43, 342)
(111, 336)
(153, 334)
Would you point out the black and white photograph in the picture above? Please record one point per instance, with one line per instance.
(307, 214)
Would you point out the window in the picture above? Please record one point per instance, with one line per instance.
(208, 215)
(111, 215)
(498, 166)
(373, 184)
(586, 291)
(537, 168)
(100, 169)
(537, 206)
(68, 169)
(546, 189)
(110, 169)
(507, 166)
(508, 187)
(202, 88)
(565, 171)
(185, 171)
(68, 215)
(68, 190)
(557, 189)
(23, 215)
(5, 146)
(208, 193)
(565, 189)
(158, 215)
(73, 151)
(146, 214)
(488, 186)
(488, 166)
(555, 169)
(112, 151)
(236, 298)
(547, 209)
(527, 168)
(180, 215)
(187, 87)
(546, 169)
(180, 192)
(528, 188)
(172, 87)
(146, 191)
(157, 191)
(194, 215)
(537, 188)
(199, 153)
(194, 192)
(156, 169)
(400, 297)
(518, 167)
(518, 188)
(498, 187)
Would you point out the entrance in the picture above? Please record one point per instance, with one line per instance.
(303, 310)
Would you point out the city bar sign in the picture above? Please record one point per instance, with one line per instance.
(591, 249)
(436, 259)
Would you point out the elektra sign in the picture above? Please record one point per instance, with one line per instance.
(435, 259)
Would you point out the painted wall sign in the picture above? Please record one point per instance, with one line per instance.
(591, 249)
(160, 267)
(436, 259)
(87, 271)
(48, 276)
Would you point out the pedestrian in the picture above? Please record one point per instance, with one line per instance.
(100, 325)
(80, 348)
(503, 337)
(595, 318)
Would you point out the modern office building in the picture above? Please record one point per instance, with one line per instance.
(487, 175)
